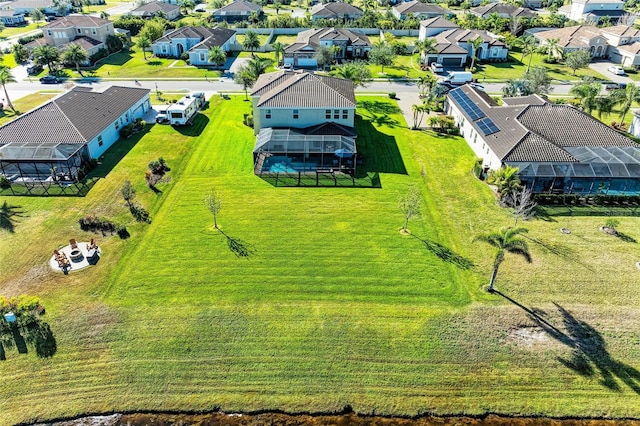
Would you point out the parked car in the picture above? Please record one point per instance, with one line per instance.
(614, 69)
(287, 67)
(614, 86)
(437, 68)
(50, 79)
(162, 117)
(477, 86)
(34, 69)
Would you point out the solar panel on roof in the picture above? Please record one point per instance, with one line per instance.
(467, 105)
(487, 126)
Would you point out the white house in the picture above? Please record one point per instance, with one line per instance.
(557, 148)
(434, 26)
(65, 132)
(593, 10)
(196, 41)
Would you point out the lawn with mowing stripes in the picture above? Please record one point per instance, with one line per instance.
(333, 306)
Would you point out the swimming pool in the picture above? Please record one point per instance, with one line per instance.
(281, 168)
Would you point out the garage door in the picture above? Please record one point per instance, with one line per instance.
(616, 58)
(451, 62)
(307, 62)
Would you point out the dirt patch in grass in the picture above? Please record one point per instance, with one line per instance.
(29, 283)
(528, 336)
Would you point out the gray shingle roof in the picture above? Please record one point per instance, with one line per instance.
(78, 116)
(524, 100)
(334, 10)
(314, 37)
(502, 8)
(218, 37)
(155, 7)
(438, 22)
(238, 7)
(187, 32)
(416, 6)
(460, 35)
(304, 90)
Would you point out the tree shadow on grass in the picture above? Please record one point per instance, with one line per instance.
(33, 332)
(237, 246)
(589, 354)
(379, 107)
(626, 238)
(446, 254)
(8, 215)
(379, 151)
(564, 252)
(196, 128)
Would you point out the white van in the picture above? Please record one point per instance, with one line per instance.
(458, 77)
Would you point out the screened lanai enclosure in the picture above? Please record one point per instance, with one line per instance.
(599, 170)
(318, 149)
(38, 167)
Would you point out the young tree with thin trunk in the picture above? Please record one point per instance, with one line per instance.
(505, 241)
(128, 193)
(382, 55)
(522, 204)
(409, 205)
(578, 59)
(213, 201)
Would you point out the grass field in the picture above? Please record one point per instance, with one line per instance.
(14, 31)
(334, 306)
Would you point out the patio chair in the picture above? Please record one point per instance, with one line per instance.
(56, 252)
(73, 244)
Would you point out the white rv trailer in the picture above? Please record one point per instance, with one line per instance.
(181, 112)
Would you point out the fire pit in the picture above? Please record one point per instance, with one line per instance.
(76, 254)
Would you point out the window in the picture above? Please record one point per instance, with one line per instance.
(79, 31)
(164, 48)
(117, 124)
(93, 31)
(327, 114)
(475, 138)
(202, 57)
(345, 114)
(49, 33)
(295, 114)
(336, 114)
(267, 114)
(100, 140)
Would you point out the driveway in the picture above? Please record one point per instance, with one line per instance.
(601, 67)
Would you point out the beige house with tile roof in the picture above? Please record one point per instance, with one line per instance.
(86, 31)
(335, 10)
(352, 45)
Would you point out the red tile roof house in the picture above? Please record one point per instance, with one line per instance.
(557, 148)
(65, 132)
(302, 121)
(89, 32)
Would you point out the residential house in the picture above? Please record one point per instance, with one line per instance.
(157, 8)
(196, 41)
(592, 11)
(434, 26)
(178, 2)
(352, 45)
(53, 141)
(88, 31)
(11, 18)
(304, 122)
(238, 10)
(418, 10)
(503, 10)
(557, 148)
(620, 42)
(337, 10)
(48, 7)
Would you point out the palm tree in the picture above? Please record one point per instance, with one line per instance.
(258, 66)
(144, 43)
(244, 78)
(278, 48)
(217, 56)
(357, 72)
(104, 15)
(520, 87)
(251, 41)
(277, 6)
(75, 54)
(6, 77)
(586, 91)
(553, 48)
(475, 45)
(425, 83)
(46, 55)
(505, 241)
(604, 105)
(505, 179)
(426, 46)
(419, 111)
(626, 98)
(368, 4)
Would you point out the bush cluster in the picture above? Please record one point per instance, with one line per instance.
(29, 39)
(26, 308)
(96, 224)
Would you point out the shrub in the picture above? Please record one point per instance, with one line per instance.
(102, 53)
(127, 130)
(123, 233)
(4, 182)
(29, 39)
(392, 95)
(96, 224)
(248, 120)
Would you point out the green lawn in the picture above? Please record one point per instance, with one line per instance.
(285, 39)
(334, 306)
(404, 66)
(14, 31)
(262, 37)
(501, 71)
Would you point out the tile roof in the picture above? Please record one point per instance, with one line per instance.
(86, 43)
(438, 22)
(35, 4)
(285, 89)
(313, 37)
(197, 32)
(531, 129)
(502, 8)
(449, 48)
(9, 13)
(416, 6)
(621, 31)
(334, 10)
(460, 35)
(219, 36)
(633, 48)
(154, 7)
(577, 36)
(238, 6)
(77, 21)
(77, 116)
